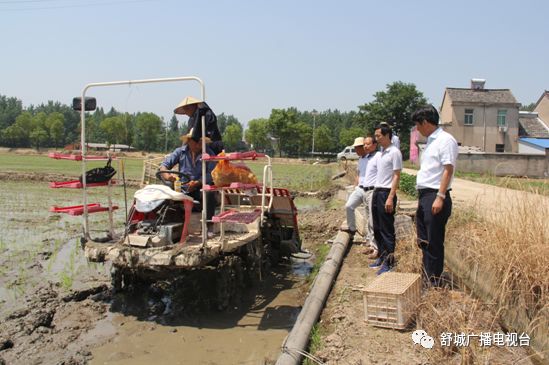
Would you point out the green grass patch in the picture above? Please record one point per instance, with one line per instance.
(321, 252)
(298, 176)
(408, 184)
(43, 164)
(315, 343)
(294, 176)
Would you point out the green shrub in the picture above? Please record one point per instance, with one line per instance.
(408, 184)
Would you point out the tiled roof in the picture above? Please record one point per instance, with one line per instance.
(485, 96)
(531, 126)
(544, 95)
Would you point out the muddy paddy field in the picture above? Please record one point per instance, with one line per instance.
(57, 308)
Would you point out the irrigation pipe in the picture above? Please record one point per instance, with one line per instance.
(296, 342)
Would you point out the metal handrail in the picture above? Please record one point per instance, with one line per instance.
(83, 135)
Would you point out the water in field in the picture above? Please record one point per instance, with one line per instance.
(35, 243)
(309, 204)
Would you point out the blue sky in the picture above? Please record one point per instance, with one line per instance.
(259, 55)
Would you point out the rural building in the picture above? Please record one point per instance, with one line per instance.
(493, 136)
(533, 134)
(542, 107)
(480, 117)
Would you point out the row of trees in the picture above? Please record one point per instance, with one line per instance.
(291, 131)
(286, 131)
(56, 125)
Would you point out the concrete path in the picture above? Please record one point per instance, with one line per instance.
(491, 201)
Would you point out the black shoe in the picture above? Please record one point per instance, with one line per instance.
(347, 230)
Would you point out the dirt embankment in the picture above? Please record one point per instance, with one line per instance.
(346, 338)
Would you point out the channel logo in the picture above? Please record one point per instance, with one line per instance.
(420, 337)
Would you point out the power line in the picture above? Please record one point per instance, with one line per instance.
(100, 3)
(28, 1)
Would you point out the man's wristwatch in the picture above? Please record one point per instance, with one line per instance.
(441, 195)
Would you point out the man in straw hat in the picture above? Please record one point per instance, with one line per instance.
(189, 160)
(195, 109)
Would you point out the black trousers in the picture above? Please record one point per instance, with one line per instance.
(211, 204)
(384, 226)
(430, 232)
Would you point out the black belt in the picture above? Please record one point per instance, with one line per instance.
(382, 189)
(366, 188)
(430, 191)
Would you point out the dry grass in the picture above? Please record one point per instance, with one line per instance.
(504, 257)
(445, 311)
(511, 249)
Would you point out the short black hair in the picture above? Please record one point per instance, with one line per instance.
(372, 137)
(385, 129)
(427, 113)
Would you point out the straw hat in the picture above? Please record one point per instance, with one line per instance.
(189, 100)
(359, 141)
(185, 137)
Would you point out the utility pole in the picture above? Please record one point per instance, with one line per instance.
(166, 135)
(314, 113)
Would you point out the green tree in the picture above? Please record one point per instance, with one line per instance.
(528, 107)
(279, 127)
(174, 124)
(323, 139)
(114, 129)
(148, 129)
(128, 121)
(299, 139)
(256, 134)
(347, 136)
(54, 126)
(232, 137)
(39, 121)
(223, 121)
(38, 137)
(20, 131)
(15, 136)
(10, 108)
(71, 118)
(396, 104)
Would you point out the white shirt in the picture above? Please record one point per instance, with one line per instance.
(371, 169)
(390, 160)
(395, 141)
(361, 170)
(441, 149)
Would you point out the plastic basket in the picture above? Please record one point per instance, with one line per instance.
(391, 300)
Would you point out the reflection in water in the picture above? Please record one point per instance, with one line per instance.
(250, 331)
(35, 243)
(304, 204)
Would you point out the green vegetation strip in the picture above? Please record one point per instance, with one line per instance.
(293, 176)
(408, 184)
(44, 164)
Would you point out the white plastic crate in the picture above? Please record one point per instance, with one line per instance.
(391, 299)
